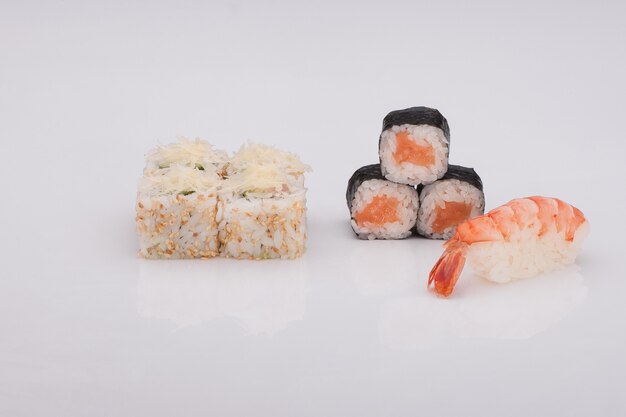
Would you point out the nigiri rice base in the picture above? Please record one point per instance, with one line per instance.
(525, 256)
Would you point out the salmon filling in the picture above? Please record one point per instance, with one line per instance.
(451, 214)
(409, 151)
(383, 209)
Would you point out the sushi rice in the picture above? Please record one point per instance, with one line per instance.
(526, 255)
(177, 226)
(262, 228)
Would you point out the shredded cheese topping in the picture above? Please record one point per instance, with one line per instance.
(263, 171)
(179, 179)
(260, 181)
(194, 153)
(189, 166)
(258, 154)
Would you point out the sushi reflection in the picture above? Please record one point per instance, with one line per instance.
(261, 297)
(486, 310)
(393, 272)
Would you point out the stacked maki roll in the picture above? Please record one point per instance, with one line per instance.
(413, 188)
(414, 146)
(445, 203)
(380, 209)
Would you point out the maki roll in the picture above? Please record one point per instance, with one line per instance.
(414, 145)
(380, 209)
(262, 209)
(177, 201)
(453, 199)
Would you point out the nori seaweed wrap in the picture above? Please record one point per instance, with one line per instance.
(417, 116)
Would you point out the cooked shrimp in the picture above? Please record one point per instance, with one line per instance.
(520, 239)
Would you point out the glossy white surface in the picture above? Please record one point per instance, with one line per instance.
(535, 100)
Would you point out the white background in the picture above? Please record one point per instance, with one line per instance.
(534, 94)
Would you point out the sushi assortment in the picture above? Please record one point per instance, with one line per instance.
(413, 188)
(194, 201)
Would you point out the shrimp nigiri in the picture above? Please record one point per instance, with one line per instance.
(520, 239)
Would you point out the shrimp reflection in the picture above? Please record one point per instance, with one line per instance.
(485, 310)
(262, 296)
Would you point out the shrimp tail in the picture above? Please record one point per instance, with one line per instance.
(448, 268)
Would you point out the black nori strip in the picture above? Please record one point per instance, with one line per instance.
(468, 175)
(417, 116)
(368, 172)
(457, 172)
